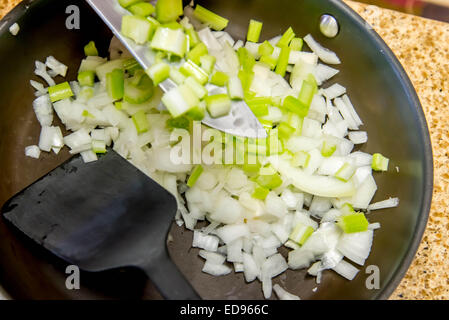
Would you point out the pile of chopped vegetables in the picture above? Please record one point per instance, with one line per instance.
(309, 191)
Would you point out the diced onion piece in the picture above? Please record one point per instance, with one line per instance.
(56, 66)
(324, 54)
(216, 269)
(231, 232)
(213, 257)
(33, 152)
(250, 268)
(203, 241)
(389, 203)
(14, 29)
(356, 246)
(43, 110)
(88, 156)
(284, 295)
(300, 258)
(99, 146)
(358, 137)
(345, 269)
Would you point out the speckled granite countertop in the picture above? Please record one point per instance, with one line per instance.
(422, 47)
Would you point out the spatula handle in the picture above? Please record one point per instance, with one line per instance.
(170, 282)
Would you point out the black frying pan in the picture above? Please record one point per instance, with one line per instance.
(377, 84)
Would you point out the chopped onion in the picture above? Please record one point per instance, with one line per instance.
(324, 54)
(33, 152)
(389, 203)
(346, 270)
(284, 295)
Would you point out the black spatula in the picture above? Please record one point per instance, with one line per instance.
(102, 215)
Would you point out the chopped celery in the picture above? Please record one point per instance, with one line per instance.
(207, 63)
(295, 121)
(137, 94)
(115, 84)
(296, 44)
(307, 92)
(127, 3)
(266, 49)
(379, 163)
(190, 68)
(60, 91)
(178, 123)
(159, 72)
(347, 209)
(169, 40)
(345, 172)
(301, 233)
(235, 89)
(312, 81)
(194, 39)
(260, 193)
(246, 78)
(172, 25)
(131, 66)
(251, 168)
(86, 78)
(328, 149)
(271, 181)
(168, 10)
(141, 122)
(219, 79)
(209, 18)
(259, 109)
(196, 173)
(285, 130)
(196, 87)
(301, 159)
(118, 105)
(98, 146)
(246, 59)
(105, 68)
(197, 113)
(254, 30)
(90, 49)
(197, 52)
(282, 63)
(352, 223)
(179, 100)
(137, 28)
(143, 9)
(177, 76)
(269, 61)
(218, 105)
(288, 36)
(294, 105)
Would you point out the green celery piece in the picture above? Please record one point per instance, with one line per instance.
(379, 162)
(285, 130)
(218, 105)
(197, 113)
(181, 122)
(90, 49)
(353, 223)
(194, 39)
(213, 20)
(246, 78)
(168, 10)
(266, 49)
(127, 3)
(254, 30)
(137, 28)
(288, 36)
(194, 176)
(207, 63)
(143, 9)
(86, 78)
(269, 181)
(141, 122)
(307, 92)
(219, 79)
(159, 72)
(190, 68)
(131, 66)
(98, 146)
(115, 84)
(269, 61)
(294, 105)
(60, 91)
(301, 233)
(246, 59)
(118, 105)
(172, 25)
(345, 172)
(197, 52)
(282, 64)
(296, 44)
(137, 94)
(260, 193)
(259, 109)
(328, 149)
